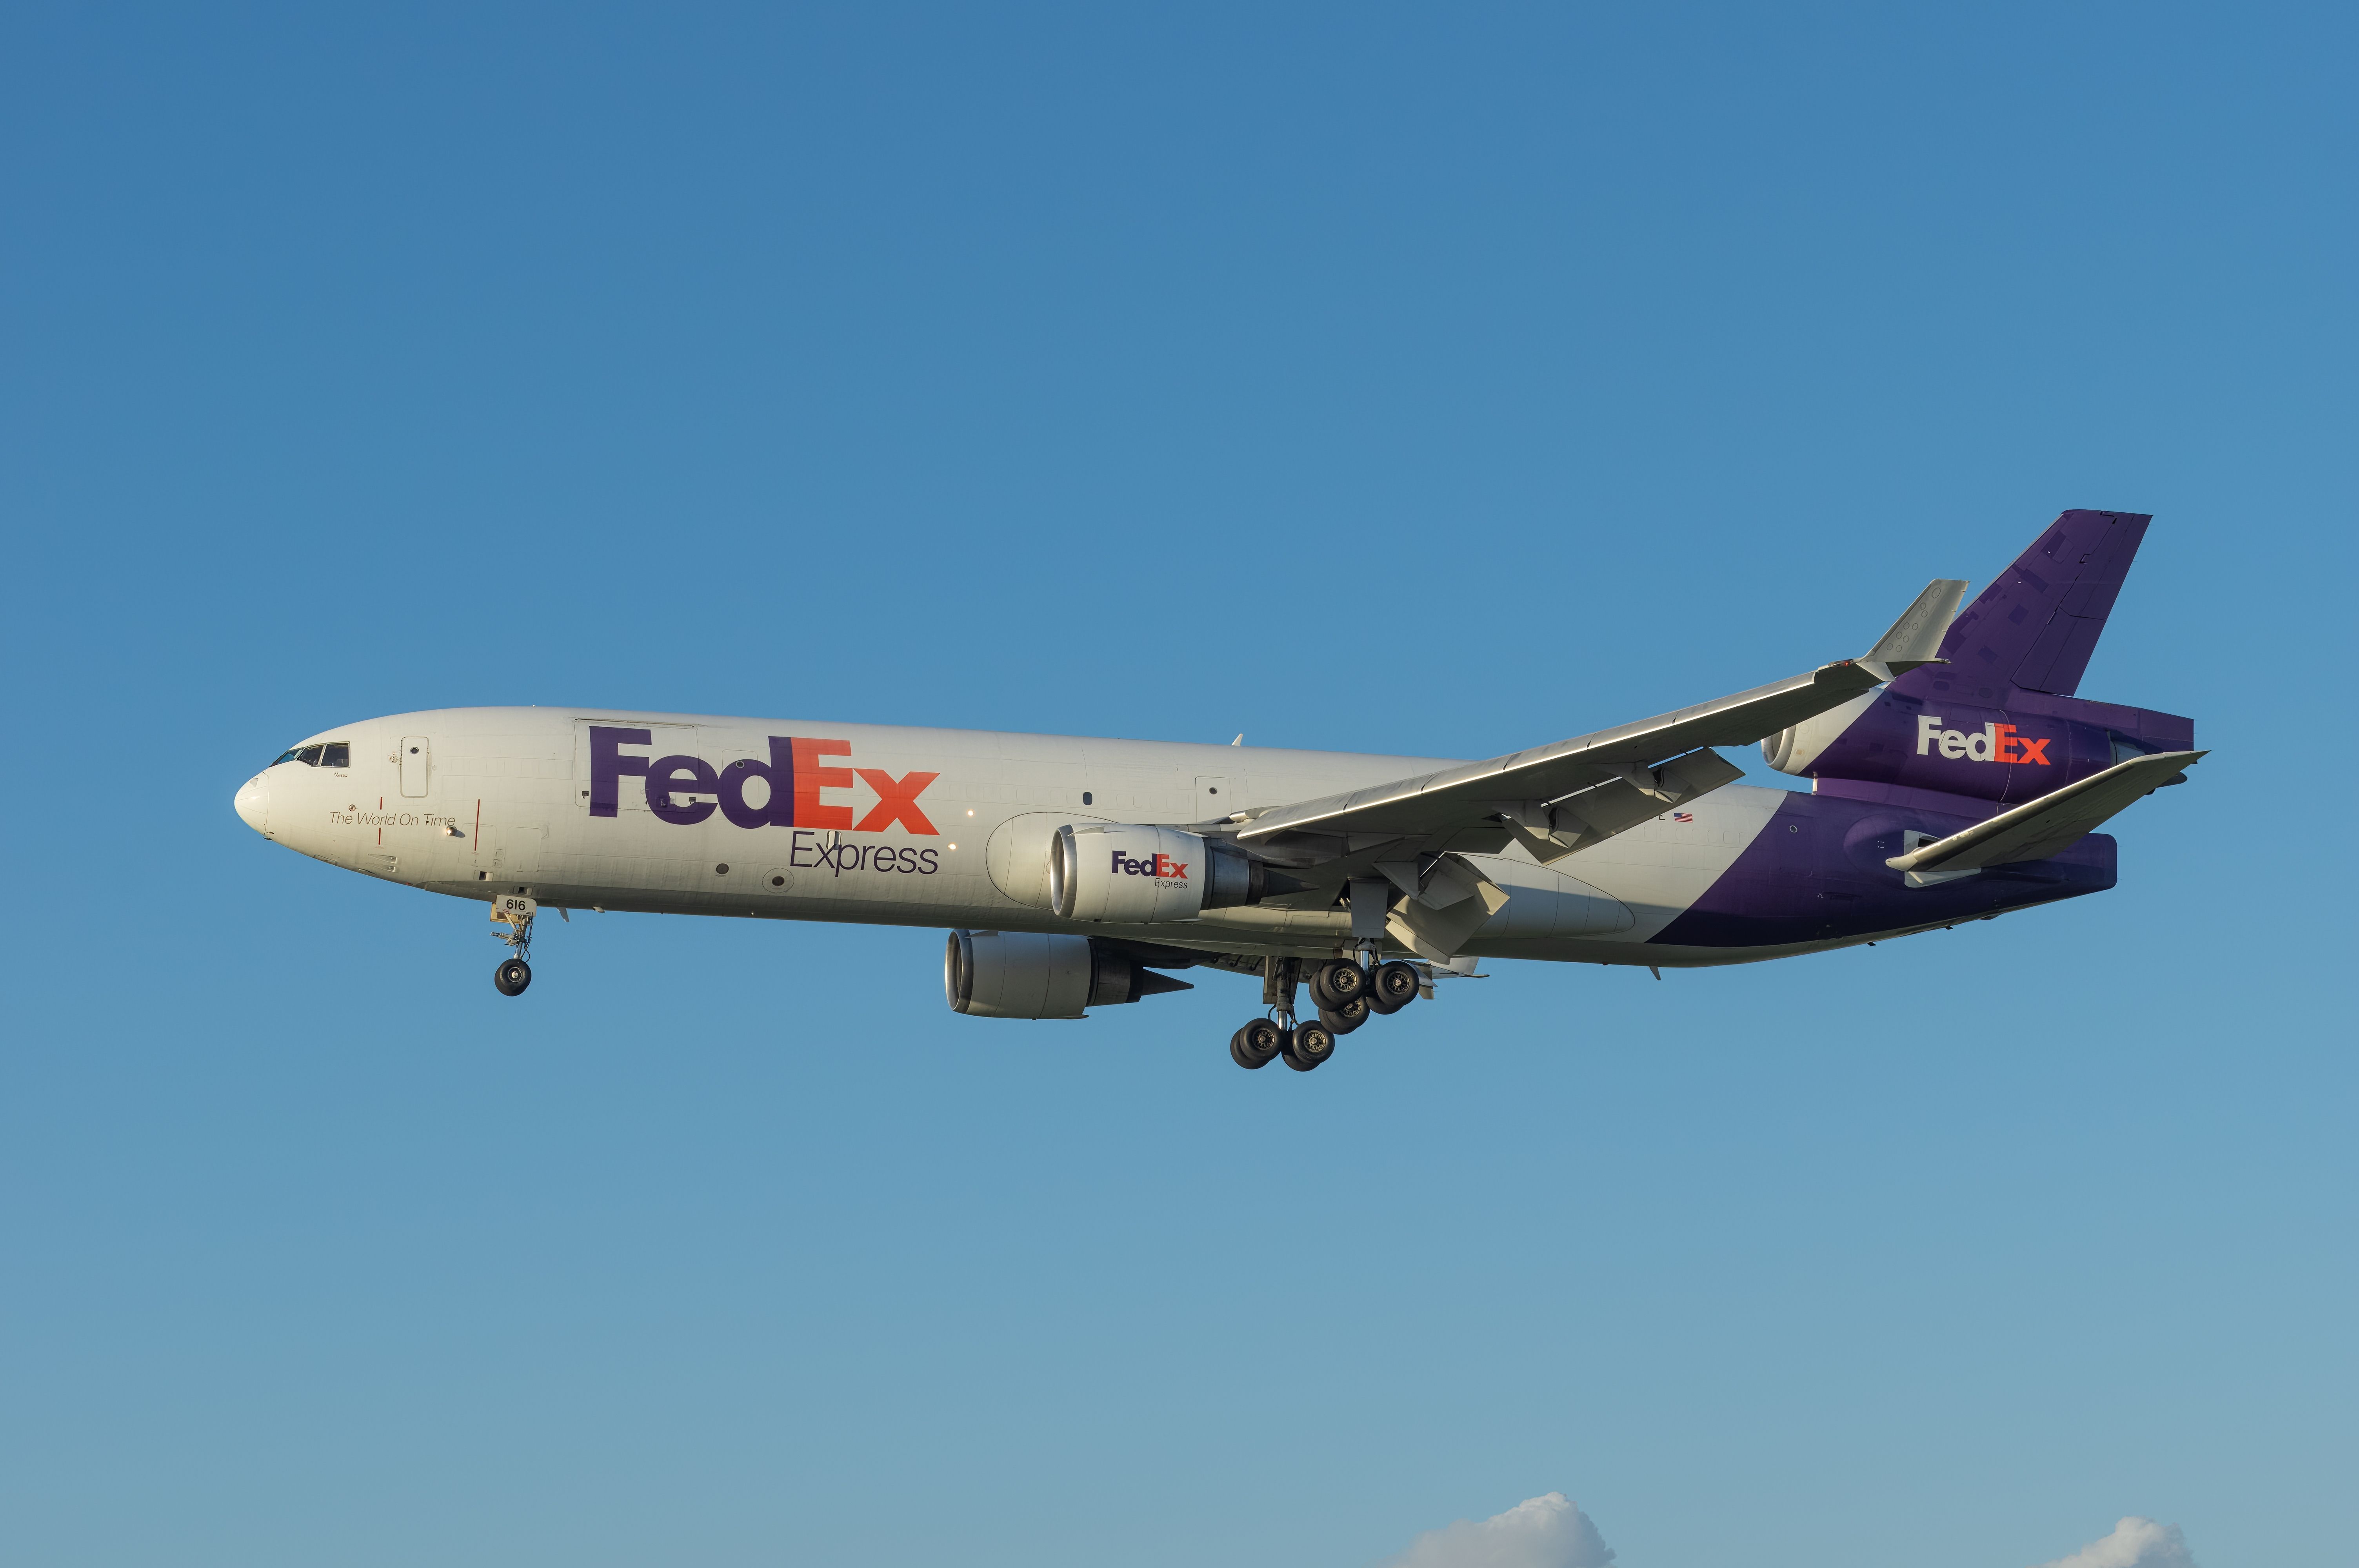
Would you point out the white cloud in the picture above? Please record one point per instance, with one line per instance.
(1546, 1531)
(2134, 1543)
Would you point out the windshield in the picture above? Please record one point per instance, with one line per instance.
(307, 755)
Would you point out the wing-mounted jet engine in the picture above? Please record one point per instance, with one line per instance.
(1133, 875)
(1024, 974)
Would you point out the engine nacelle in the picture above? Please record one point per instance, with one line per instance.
(1135, 876)
(1022, 974)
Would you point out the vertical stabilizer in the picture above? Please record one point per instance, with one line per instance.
(2036, 625)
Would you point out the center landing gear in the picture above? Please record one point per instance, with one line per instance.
(512, 977)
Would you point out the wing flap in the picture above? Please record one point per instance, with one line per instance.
(1635, 795)
(2051, 824)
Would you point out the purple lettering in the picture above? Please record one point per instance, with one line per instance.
(665, 781)
(609, 767)
(779, 811)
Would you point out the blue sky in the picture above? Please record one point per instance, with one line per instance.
(1374, 378)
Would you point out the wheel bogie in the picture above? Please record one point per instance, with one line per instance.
(1344, 1018)
(1310, 1046)
(1393, 986)
(1338, 982)
(1256, 1044)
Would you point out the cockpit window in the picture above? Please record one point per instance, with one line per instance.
(307, 755)
(336, 754)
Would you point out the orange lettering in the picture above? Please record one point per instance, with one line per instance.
(897, 799)
(811, 778)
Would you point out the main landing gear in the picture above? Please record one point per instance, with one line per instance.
(1346, 995)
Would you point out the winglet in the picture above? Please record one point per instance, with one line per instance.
(1915, 639)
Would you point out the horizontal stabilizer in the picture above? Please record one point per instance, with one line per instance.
(2053, 823)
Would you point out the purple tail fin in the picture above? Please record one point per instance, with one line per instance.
(2036, 625)
(2001, 721)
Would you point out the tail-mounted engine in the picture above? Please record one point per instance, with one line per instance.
(1022, 974)
(1135, 876)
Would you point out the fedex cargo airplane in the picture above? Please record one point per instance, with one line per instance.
(1955, 777)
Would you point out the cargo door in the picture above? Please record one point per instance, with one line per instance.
(416, 758)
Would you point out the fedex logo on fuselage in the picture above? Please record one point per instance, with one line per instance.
(795, 785)
(1993, 742)
(1161, 867)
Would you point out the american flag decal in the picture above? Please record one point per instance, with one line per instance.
(1683, 817)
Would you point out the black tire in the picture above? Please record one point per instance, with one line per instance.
(1343, 1020)
(1312, 1045)
(1338, 982)
(1256, 1044)
(512, 977)
(1393, 986)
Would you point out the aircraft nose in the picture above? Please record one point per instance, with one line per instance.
(253, 801)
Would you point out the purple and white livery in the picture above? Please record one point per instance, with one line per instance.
(1956, 776)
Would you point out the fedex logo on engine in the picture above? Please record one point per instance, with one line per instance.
(789, 790)
(1992, 743)
(1162, 867)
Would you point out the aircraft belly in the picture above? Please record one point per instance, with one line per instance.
(1815, 877)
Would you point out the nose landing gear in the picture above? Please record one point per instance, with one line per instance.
(513, 911)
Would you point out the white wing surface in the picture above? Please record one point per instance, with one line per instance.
(1559, 798)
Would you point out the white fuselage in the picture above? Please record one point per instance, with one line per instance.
(483, 801)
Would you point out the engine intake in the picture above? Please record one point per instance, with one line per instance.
(1022, 974)
(1135, 875)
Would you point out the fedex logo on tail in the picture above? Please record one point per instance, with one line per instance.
(1163, 868)
(795, 783)
(1993, 742)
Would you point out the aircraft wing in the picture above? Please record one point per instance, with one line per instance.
(1557, 799)
(2051, 824)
